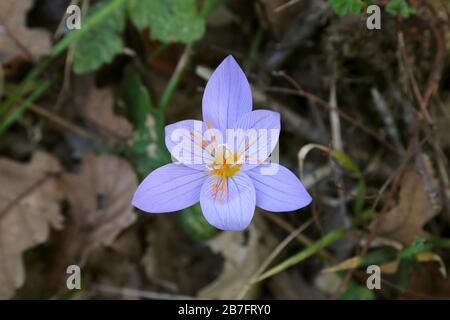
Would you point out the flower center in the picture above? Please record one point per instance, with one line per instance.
(225, 162)
(224, 166)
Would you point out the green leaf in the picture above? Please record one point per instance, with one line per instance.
(169, 20)
(102, 42)
(400, 7)
(361, 192)
(138, 99)
(367, 214)
(304, 254)
(436, 241)
(355, 291)
(146, 148)
(377, 257)
(346, 161)
(192, 221)
(404, 272)
(418, 246)
(343, 7)
(342, 158)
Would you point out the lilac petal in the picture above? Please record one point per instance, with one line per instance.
(258, 137)
(227, 95)
(234, 211)
(184, 141)
(278, 189)
(170, 188)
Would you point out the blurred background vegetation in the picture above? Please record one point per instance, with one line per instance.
(365, 120)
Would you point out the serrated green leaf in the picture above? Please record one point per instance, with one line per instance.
(169, 20)
(102, 42)
(343, 7)
(400, 7)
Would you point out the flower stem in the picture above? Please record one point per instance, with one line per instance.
(175, 78)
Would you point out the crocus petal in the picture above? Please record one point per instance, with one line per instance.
(185, 141)
(278, 189)
(234, 211)
(257, 134)
(170, 188)
(227, 95)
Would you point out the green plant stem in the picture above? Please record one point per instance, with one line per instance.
(208, 7)
(302, 255)
(175, 79)
(10, 118)
(254, 48)
(24, 85)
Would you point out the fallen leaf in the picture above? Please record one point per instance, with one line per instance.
(427, 284)
(405, 221)
(243, 257)
(350, 263)
(433, 257)
(15, 37)
(390, 267)
(194, 266)
(100, 200)
(29, 206)
(99, 110)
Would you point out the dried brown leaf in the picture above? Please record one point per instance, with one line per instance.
(194, 267)
(414, 209)
(99, 110)
(29, 206)
(15, 37)
(242, 260)
(100, 200)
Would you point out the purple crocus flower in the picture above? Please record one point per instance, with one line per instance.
(229, 179)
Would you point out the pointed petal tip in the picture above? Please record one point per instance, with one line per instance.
(230, 58)
(306, 201)
(280, 191)
(227, 95)
(231, 65)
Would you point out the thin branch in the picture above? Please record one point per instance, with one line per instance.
(144, 294)
(61, 122)
(302, 93)
(283, 244)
